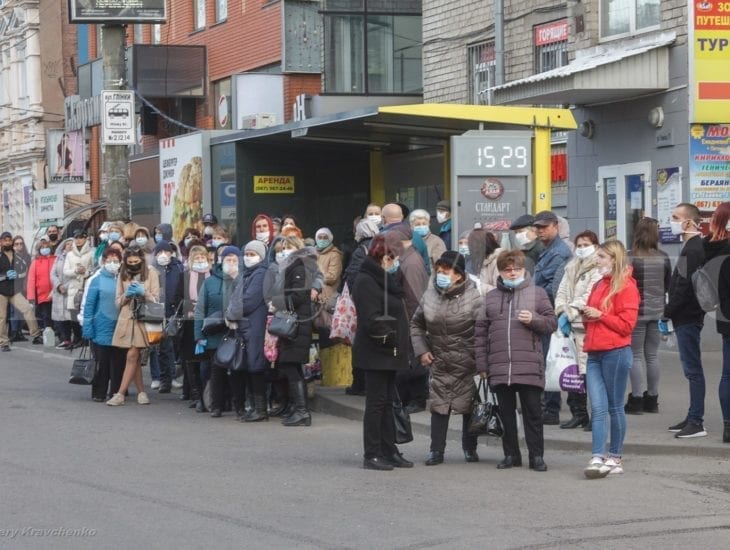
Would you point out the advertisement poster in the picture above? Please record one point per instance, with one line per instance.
(65, 156)
(49, 204)
(709, 31)
(492, 202)
(669, 195)
(128, 11)
(181, 183)
(709, 167)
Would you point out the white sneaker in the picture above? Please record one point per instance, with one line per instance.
(142, 398)
(596, 468)
(116, 400)
(615, 464)
(177, 385)
(155, 385)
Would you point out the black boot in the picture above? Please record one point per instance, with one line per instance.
(634, 405)
(300, 416)
(726, 433)
(579, 420)
(651, 404)
(259, 413)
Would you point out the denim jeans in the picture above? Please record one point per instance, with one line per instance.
(606, 378)
(644, 345)
(725, 379)
(154, 363)
(688, 343)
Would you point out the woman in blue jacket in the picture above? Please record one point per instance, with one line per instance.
(100, 320)
(247, 313)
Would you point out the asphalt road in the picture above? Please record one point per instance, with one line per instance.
(76, 474)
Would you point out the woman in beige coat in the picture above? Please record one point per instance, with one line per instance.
(329, 261)
(581, 273)
(136, 283)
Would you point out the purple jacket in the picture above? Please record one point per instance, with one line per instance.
(506, 349)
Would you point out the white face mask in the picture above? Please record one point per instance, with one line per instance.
(280, 257)
(441, 216)
(377, 220)
(262, 236)
(230, 270)
(250, 261)
(141, 241)
(287, 252)
(163, 260)
(676, 227)
(208, 230)
(585, 252)
(522, 239)
(200, 267)
(112, 267)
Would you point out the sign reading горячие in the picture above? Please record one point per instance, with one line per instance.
(273, 184)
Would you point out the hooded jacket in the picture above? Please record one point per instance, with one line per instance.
(613, 329)
(329, 262)
(100, 309)
(74, 280)
(40, 287)
(509, 351)
(165, 231)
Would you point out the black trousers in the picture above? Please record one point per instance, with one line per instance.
(222, 382)
(530, 401)
(256, 383)
(378, 424)
(43, 314)
(578, 403)
(440, 427)
(108, 378)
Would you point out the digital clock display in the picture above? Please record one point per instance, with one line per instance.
(493, 153)
(504, 156)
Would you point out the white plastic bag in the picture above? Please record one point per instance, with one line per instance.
(561, 365)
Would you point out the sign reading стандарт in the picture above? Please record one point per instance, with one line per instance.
(273, 184)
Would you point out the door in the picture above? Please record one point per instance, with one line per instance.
(624, 197)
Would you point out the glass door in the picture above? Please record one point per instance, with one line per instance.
(624, 196)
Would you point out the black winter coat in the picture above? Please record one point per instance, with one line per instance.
(369, 296)
(11, 287)
(652, 274)
(248, 309)
(297, 293)
(718, 252)
(682, 307)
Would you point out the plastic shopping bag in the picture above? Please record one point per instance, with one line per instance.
(561, 366)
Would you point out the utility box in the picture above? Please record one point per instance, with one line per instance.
(254, 122)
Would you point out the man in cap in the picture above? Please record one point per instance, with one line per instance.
(209, 221)
(548, 274)
(14, 269)
(443, 216)
(526, 238)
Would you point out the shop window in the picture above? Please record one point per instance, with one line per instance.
(199, 14)
(626, 17)
(221, 10)
(551, 45)
(481, 73)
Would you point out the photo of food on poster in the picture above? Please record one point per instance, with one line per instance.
(181, 183)
(709, 168)
(669, 195)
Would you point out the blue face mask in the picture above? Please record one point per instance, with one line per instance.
(509, 283)
(443, 281)
(421, 230)
(464, 250)
(393, 268)
(45, 251)
(323, 243)
(158, 237)
(215, 243)
(114, 236)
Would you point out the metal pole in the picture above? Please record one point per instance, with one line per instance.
(116, 157)
(499, 42)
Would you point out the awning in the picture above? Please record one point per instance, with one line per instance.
(610, 72)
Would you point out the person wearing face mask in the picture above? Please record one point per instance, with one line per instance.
(687, 317)
(609, 317)
(580, 275)
(262, 229)
(209, 221)
(77, 267)
(212, 301)
(102, 241)
(143, 241)
(443, 216)
(99, 323)
(329, 261)
(381, 350)
(116, 234)
(191, 237)
(525, 237)
(60, 315)
(136, 283)
(170, 271)
(442, 331)
(162, 233)
(374, 214)
(507, 344)
(288, 222)
(219, 238)
(420, 221)
(486, 247)
(39, 286)
(247, 311)
(53, 234)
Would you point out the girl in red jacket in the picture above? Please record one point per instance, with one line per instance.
(40, 287)
(609, 319)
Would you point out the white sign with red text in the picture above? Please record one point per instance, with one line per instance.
(181, 182)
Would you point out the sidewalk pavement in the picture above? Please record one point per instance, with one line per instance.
(646, 434)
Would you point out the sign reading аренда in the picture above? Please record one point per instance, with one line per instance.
(273, 184)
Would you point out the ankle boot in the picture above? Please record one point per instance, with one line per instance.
(651, 404)
(634, 405)
(726, 433)
(579, 420)
(259, 413)
(300, 416)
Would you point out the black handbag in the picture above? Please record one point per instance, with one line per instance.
(285, 324)
(173, 328)
(402, 420)
(149, 312)
(215, 324)
(84, 369)
(231, 352)
(485, 418)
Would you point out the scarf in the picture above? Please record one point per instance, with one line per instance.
(195, 286)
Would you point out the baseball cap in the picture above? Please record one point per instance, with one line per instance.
(526, 220)
(210, 219)
(79, 233)
(546, 217)
(443, 205)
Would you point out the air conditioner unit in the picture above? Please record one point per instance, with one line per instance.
(259, 120)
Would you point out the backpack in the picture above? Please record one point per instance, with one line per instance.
(704, 283)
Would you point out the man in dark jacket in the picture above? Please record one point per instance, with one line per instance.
(688, 317)
(443, 216)
(171, 294)
(13, 273)
(527, 241)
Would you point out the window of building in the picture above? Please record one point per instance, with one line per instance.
(156, 33)
(551, 45)
(626, 17)
(22, 77)
(373, 47)
(481, 71)
(221, 10)
(199, 14)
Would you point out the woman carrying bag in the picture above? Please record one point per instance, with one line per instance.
(136, 284)
(381, 349)
(442, 332)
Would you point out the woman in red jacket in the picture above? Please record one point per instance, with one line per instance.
(609, 318)
(40, 287)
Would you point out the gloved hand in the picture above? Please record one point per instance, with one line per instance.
(233, 325)
(564, 324)
(200, 347)
(11, 274)
(663, 328)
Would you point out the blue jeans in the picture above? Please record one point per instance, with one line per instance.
(688, 343)
(725, 379)
(607, 375)
(154, 363)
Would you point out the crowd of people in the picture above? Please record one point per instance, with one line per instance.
(433, 315)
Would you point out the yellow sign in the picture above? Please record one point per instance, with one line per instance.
(710, 30)
(273, 184)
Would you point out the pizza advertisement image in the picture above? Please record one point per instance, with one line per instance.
(181, 181)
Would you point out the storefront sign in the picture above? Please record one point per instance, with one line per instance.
(65, 156)
(117, 11)
(273, 184)
(549, 33)
(181, 182)
(710, 85)
(709, 167)
(669, 195)
(49, 204)
(82, 113)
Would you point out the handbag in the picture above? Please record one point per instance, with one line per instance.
(284, 324)
(344, 319)
(485, 418)
(173, 327)
(153, 332)
(149, 312)
(231, 352)
(84, 369)
(402, 420)
(271, 342)
(561, 365)
(215, 324)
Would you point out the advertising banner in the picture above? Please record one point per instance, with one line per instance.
(273, 184)
(49, 204)
(709, 30)
(65, 156)
(181, 183)
(493, 203)
(117, 11)
(669, 195)
(709, 167)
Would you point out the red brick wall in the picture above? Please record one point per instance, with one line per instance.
(295, 84)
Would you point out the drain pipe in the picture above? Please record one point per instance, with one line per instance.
(499, 42)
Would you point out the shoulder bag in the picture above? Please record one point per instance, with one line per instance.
(84, 369)
(284, 324)
(485, 418)
(231, 352)
(149, 312)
